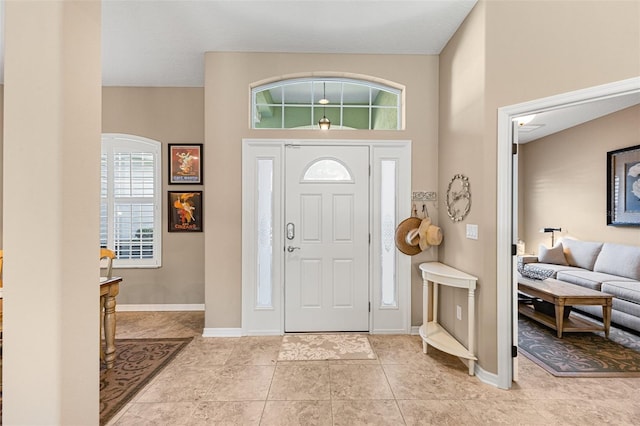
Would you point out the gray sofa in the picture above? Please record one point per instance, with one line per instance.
(607, 267)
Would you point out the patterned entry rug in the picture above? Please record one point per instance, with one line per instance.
(580, 354)
(318, 347)
(137, 362)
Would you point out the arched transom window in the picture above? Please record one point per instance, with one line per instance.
(347, 103)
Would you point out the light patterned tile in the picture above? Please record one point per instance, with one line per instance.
(359, 381)
(300, 381)
(435, 412)
(381, 412)
(308, 413)
(240, 383)
(228, 413)
(255, 351)
(153, 414)
(408, 382)
(511, 412)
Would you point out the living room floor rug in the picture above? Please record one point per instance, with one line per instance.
(137, 362)
(317, 347)
(580, 354)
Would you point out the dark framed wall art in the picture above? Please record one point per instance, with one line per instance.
(623, 187)
(185, 164)
(185, 211)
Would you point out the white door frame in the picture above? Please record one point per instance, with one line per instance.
(506, 209)
(264, 315)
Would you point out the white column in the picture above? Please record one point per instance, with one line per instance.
(52, 107)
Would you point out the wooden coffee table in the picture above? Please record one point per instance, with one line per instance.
(562, 294)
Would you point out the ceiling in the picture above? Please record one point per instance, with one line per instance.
(162, 42)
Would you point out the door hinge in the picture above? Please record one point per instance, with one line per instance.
(514, 249)
(369, 169)
(369, 238)
(514, 351)
(369, 306)
(514, 148)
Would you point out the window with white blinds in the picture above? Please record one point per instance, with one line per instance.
(130, 219)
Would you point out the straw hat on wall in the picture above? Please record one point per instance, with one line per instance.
(414, 235)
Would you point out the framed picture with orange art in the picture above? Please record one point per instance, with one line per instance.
(185, 211)
(185, 164)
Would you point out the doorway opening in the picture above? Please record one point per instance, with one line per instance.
(507, 210)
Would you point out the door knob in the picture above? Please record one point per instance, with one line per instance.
(290, 249)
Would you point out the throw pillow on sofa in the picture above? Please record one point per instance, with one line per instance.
(533, 271)
(554, 255)
(582, 254)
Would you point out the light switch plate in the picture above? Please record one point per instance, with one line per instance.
(472, 232)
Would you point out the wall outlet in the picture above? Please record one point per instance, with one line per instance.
(459, 312)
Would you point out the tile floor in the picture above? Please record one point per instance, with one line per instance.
(238, 381)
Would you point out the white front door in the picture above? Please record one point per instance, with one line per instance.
(327, 238)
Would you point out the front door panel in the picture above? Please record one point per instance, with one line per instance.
(327, 240)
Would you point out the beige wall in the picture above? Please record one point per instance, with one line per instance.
(52, 136)
(523, 50)
(1, 153)
(168, 115)
(564, 181)
(462, 79)
(228, 77)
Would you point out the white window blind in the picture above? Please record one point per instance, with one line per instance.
(130, 219)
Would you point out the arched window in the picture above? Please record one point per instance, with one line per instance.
(130, 189)
(327, 169)
(347, 103)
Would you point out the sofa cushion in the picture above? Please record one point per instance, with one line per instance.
(554, 255)
(581, 253)
(626, 290)
(626, 307)
(588, 279)
(619, 259)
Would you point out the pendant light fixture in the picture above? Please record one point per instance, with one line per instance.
(324, 122)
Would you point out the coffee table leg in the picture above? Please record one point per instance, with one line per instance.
(559, 317)
(606, 317)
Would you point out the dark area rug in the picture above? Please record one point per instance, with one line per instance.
(580, 354)
(137, 362)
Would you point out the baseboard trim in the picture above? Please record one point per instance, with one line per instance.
(486, 377)
(264, 333)
(222, 332)
(160, 308)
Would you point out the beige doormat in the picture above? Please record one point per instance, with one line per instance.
(318, 347)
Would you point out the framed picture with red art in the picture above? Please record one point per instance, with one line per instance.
(185, 164)
(185, 211)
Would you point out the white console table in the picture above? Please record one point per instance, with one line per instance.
(433, 333)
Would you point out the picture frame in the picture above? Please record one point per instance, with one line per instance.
(185, 164)
(185, 211)
(623, 187)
